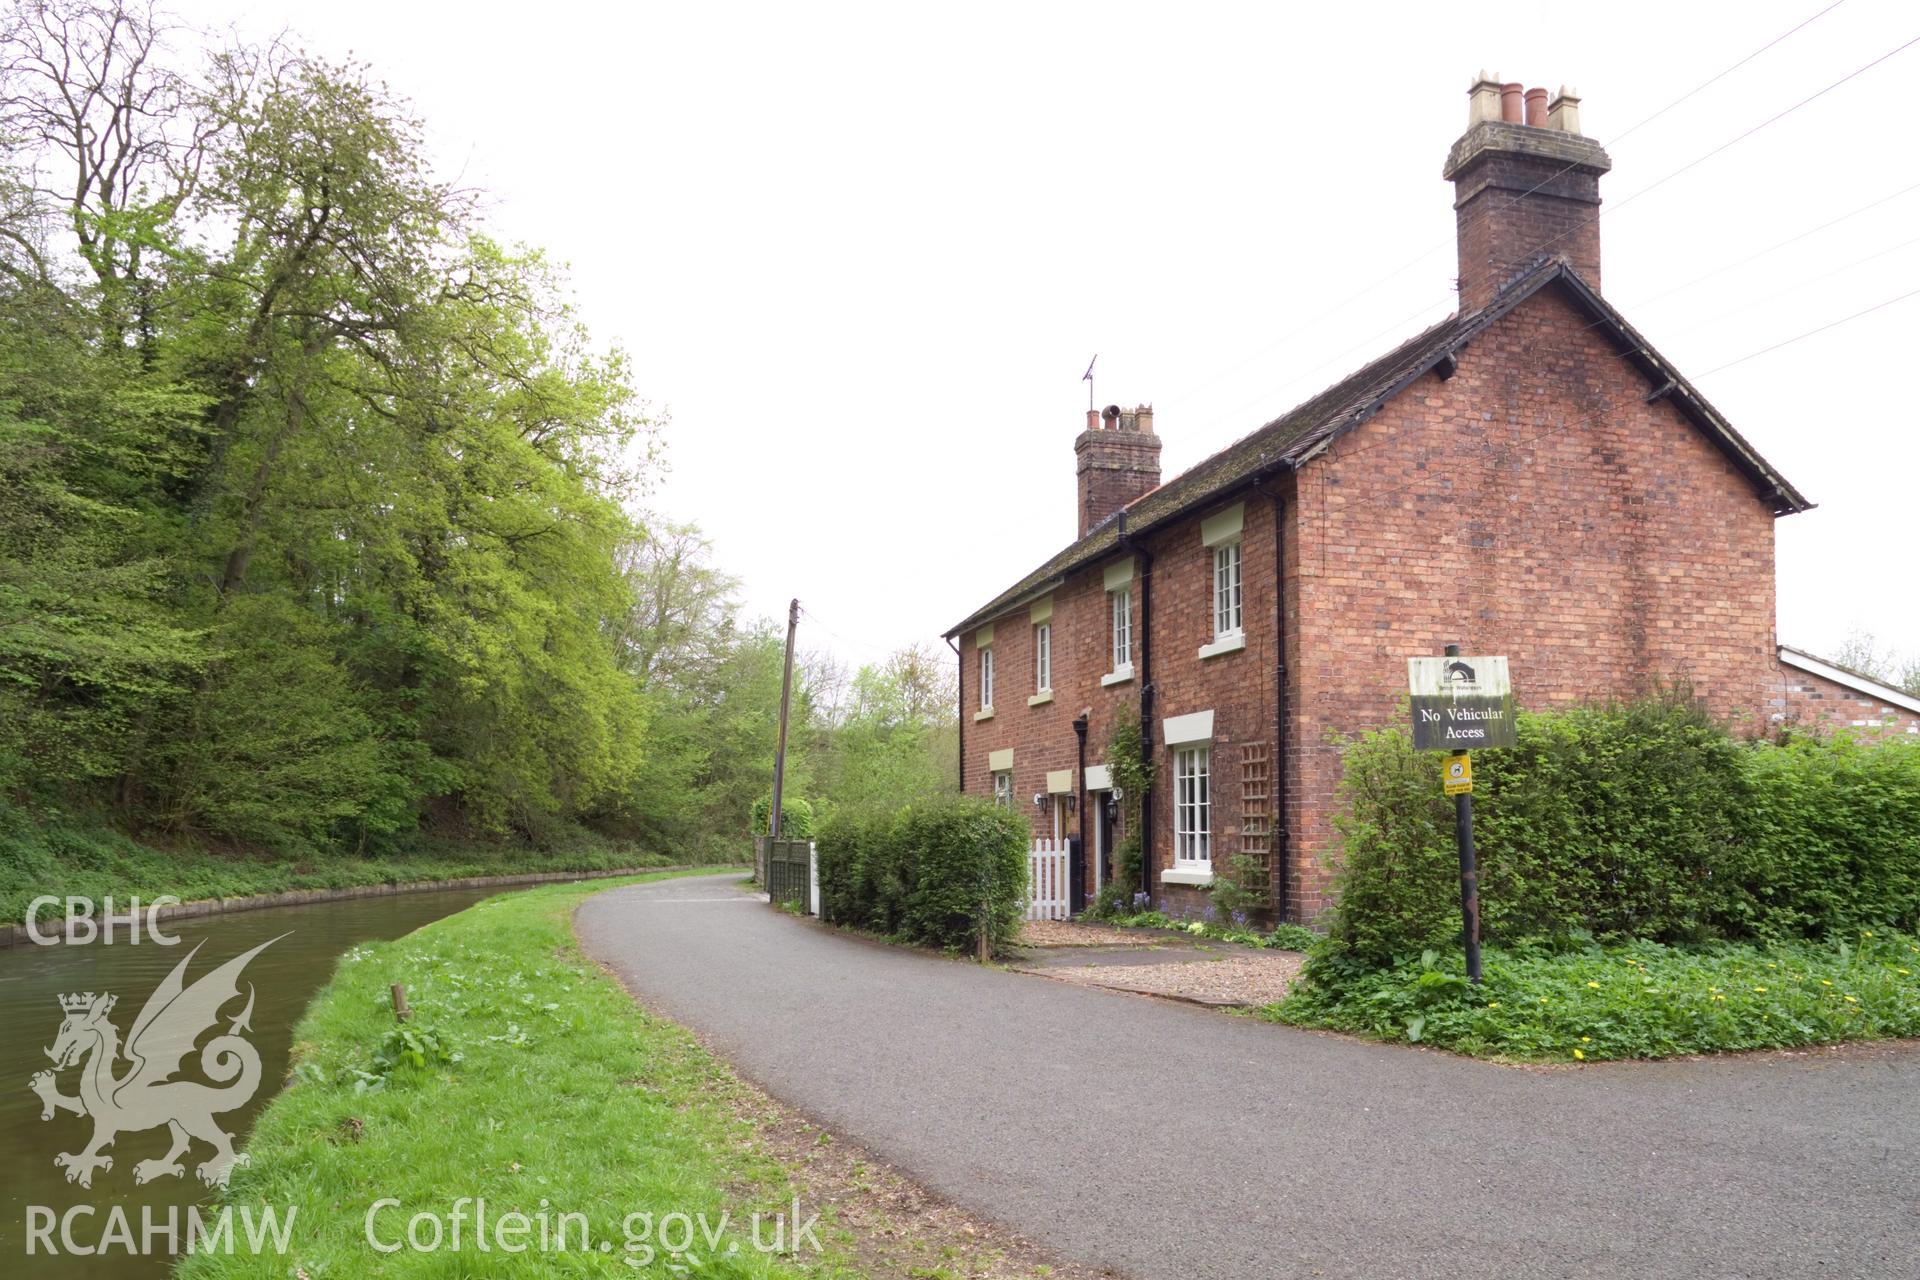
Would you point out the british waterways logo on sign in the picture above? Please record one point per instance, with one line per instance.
(1461, 703)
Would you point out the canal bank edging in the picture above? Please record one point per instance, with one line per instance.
(56, 932)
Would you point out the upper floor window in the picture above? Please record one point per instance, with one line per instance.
(1043, 657)
(1226, 590)
(986, 679)
(1121, 601)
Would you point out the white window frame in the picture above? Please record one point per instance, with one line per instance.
(1193, 809)
(1228, 592)
(1003, 788)
(1043, 657)
(1120, 633)
(986, 678)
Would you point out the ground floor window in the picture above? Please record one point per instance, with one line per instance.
(1192, 809)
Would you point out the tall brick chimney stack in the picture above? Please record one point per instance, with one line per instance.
(1526, 187)
(1119, 459)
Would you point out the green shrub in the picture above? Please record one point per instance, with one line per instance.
(937, 874)
(1629, 821)
(1640, 1000)
(796, 817)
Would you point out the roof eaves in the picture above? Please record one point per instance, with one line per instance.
(1781, 494)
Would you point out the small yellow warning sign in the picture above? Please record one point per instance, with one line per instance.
(1457, 775)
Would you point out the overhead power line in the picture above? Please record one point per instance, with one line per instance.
(1402, 269)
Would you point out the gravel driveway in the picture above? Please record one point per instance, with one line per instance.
(1278, 1152)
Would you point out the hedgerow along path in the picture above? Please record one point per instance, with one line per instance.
(1165, 1140)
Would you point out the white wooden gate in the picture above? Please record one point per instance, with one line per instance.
(1047, 880)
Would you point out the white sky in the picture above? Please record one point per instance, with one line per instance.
(862, 254)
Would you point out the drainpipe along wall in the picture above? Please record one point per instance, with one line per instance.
(1146, 716)
(1080, 804)
(960, 712)
(1280, 814)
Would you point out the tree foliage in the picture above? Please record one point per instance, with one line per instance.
(322, 517)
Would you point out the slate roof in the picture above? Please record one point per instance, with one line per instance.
(1297, 436)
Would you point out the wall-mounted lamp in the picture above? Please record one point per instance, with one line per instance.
(1039, 800)
(1073, 802)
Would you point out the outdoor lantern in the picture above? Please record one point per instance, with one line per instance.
(1039, 800)
(1073, 802)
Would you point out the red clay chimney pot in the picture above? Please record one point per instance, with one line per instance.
(1537, 108)
(1512, 104)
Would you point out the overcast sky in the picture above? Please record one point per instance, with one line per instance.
(862, 254)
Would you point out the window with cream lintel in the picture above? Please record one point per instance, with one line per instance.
(986, 679)
(1192, 809)
(1190, 740)
(1043, 657)
(1003, 788)
(1221, 533)
(1226, 590)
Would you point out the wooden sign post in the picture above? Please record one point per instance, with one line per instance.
(1460, 703)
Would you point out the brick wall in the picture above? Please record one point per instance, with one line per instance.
(1237, 687)
(1533, 505)
(1803, 699)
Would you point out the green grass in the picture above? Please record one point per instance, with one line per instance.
(1640, 1000)
(535, 1078)
(65, 859)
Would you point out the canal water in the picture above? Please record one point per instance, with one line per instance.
(283, 979)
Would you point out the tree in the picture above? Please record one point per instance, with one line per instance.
(1863, 654)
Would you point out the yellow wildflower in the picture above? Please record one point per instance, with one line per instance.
(1850, 1000)
(1826, 982)
(1580, 1055)
(1759, 988)
(1594, 985)
(1899, 970)
(1866, 933)
(1493, 1004)
(1586, 1039)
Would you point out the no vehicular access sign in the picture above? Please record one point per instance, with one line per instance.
(1461, 703)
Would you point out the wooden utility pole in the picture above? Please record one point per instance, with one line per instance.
(786, 700)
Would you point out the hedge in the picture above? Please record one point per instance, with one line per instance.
(1639, 821)
(934, 874)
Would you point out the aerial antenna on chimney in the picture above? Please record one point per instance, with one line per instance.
(1087, 378)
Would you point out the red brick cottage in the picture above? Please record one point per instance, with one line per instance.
(1528, 477)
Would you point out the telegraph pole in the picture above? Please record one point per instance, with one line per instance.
(786, 699)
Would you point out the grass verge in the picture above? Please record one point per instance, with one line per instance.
(67, 860)
(527, 1077)
(1641, 1000)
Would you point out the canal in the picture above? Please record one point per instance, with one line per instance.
(283, 979)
